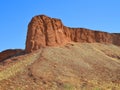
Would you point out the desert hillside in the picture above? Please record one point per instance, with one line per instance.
(57, 57)
(74, 66)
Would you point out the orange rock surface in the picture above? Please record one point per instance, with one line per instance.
(9, 53)
(45, 31)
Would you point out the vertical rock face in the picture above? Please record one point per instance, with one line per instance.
(116, 38)
(45, 31)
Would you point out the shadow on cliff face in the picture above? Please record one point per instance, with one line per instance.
(116, 38)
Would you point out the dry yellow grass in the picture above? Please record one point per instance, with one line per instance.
(72, 67)
(18, 66)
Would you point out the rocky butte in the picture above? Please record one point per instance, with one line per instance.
(60, 63)
(45, 31)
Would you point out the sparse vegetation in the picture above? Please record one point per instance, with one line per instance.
(79, 67)
(18, 67)
(67, 86)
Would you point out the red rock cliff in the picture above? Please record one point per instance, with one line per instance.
(45, 31)
(9, 53)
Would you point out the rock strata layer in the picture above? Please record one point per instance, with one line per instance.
(9, 53)
(45, 31)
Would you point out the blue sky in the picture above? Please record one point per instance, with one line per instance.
(103, 15)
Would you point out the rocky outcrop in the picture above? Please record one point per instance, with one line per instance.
(45, 31)
(116, 38)
(10, 53)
